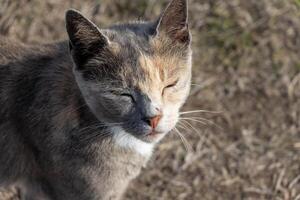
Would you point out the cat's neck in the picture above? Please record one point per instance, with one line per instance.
(127, 141)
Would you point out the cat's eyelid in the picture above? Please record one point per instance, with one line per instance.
(129, 95)
(172, 84)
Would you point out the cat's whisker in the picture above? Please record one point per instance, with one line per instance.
(203, 121)
(197, 84)
(190, 125)
(94, 134)
(202, 136)
(93, 125)
(200, 111)
(182, 125)
(94, 137)
(199, 118)
(196, 120)
(68, 110)
(101, 124)
(93, 129)
(85, 134)
(186, 144)
(208, 121)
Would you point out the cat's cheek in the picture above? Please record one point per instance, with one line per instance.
(114, 106)
(169, 119)
(176, 98)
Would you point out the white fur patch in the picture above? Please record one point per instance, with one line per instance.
(126, 140)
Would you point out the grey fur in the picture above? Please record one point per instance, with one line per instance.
(58, 111)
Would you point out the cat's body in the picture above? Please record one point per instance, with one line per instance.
(50, 113)
(56, 140)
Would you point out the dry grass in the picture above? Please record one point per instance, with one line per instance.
(246, 64)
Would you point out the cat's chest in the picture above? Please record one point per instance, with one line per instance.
(123, 161)
(113, 170)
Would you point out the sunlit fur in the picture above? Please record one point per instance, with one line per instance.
(74, 115)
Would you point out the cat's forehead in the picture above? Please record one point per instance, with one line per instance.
(151, 71)
(127, 42)
(138, 38)
(145, 61)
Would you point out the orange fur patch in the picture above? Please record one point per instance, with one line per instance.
(161, 71)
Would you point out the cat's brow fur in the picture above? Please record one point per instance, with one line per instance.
(66, 131)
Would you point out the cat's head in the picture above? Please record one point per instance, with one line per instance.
(136, 76)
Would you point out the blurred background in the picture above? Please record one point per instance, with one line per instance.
(246, 71)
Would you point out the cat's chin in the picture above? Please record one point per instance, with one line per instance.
(153, 137)
(141, 144)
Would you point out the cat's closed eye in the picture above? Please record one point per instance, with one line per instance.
(122, 95)
(173, 84)
(128, 95)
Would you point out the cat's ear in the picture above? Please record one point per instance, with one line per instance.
(173, 22)
(85, 37)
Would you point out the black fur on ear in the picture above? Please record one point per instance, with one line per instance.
(85, 37)
(174, 21)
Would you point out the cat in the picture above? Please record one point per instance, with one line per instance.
(80, 118)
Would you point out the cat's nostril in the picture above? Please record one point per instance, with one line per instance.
(153, 121)
(147, 120)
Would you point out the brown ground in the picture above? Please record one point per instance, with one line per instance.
(246, 64)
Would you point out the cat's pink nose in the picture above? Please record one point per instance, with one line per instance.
(154, 121)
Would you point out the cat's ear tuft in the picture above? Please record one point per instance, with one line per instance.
(174, 22)
(83, 34)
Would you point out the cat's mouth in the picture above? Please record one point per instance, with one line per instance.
(154, 133)
(153, 136)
